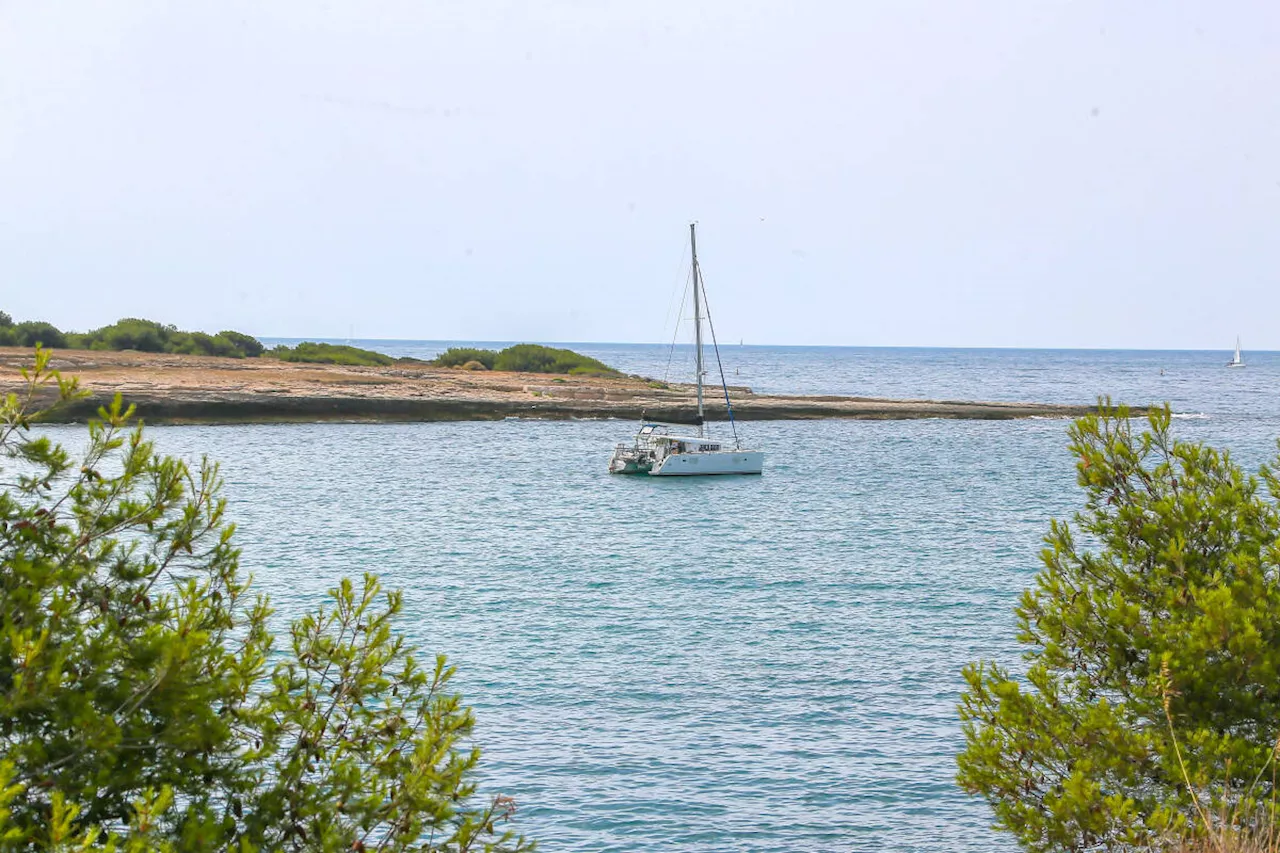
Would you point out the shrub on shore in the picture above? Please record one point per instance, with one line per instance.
(248, 345)
(534, 358)
(145, 704)
(130, 333)
(318, 353)
(31, 332)
(525, 358)
(1150, 701)
(459, 356)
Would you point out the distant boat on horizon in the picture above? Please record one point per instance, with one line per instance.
(1236, 361)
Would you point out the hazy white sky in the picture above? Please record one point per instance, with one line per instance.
(867, 173)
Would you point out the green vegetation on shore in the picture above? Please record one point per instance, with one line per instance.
(466, 357)
(524, 358)
(146, 703)
(317, 353)
(132, 333)
(1148, 713)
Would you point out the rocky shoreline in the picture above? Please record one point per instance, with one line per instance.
(203, 389)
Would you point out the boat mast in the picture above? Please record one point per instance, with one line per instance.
(697, 318)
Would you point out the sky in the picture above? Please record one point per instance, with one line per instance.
(896, 173)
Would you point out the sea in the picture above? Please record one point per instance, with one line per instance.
(736, 664)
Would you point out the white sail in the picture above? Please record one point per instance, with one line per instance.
(1236, 361)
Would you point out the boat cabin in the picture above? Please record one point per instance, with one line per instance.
(659, 435)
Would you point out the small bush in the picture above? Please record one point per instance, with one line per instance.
(198, 343)
(524, 358)
(535, 358)
(247, 345)
(132, 333)
(32, 332)
(459, 356)
(474, 365)
(318, 353)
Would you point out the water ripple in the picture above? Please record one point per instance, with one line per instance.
(734, 664)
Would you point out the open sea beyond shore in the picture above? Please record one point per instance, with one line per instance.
(716, 664)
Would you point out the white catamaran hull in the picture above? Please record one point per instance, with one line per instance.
(723, 462)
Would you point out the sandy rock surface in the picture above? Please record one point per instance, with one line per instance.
(205, 389)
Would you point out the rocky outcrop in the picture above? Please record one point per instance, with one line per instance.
(199, 389)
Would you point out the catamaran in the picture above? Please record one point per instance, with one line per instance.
(1237, 361)
(662, 450)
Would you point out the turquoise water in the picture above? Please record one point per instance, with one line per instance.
(723, 664)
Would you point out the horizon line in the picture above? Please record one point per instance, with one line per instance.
(341, 340)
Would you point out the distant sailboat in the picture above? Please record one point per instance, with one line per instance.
(1237, 361)
(661, 452)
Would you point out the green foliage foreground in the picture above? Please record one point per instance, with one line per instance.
(142, 695)
(1152, 653)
